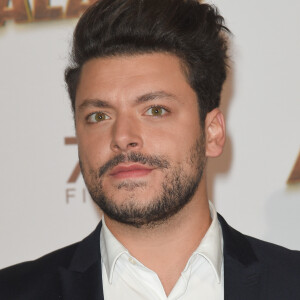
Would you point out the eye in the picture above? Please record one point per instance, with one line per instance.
(156, 111)
(97, 117)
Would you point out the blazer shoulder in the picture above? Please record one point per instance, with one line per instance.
(242, 246)
(41, 278)
(37, 278)
(261, 269)
(280, 269)
(50, 260)
(275, 254)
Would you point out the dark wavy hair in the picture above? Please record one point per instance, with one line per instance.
(192, 31)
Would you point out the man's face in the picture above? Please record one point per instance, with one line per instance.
(141, 147)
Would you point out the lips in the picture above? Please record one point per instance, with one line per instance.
(130, 171)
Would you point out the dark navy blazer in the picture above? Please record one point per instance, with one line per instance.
(253, 270)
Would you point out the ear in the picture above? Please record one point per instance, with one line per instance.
(215, 133)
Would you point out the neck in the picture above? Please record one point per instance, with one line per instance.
(166, 248)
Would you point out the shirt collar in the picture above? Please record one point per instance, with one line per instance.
(210, 247)
(111, 249)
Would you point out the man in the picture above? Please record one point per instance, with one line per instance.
(145, 87)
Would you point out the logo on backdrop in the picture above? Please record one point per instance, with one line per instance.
(73, 191)
(21, 11)
(295, 173)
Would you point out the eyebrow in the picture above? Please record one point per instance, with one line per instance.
(141, 99)
(154, 96)
(94, 103)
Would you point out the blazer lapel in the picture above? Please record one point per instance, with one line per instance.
(241, 266)
(82, 280)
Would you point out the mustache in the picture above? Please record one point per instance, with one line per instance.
(136, 157)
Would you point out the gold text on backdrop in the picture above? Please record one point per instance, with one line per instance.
(295, 174)
(76, 171)
(21, 11)
(77, 194)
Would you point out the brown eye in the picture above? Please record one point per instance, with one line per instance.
(97, 117)
(156, 111)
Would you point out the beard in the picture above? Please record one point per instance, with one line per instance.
(177, 188)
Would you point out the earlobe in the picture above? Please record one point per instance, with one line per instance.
(215, 133)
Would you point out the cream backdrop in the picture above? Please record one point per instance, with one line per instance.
(261, 103)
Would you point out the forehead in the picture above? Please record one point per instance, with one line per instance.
(128, 77)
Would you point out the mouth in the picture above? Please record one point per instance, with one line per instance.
(130, 171)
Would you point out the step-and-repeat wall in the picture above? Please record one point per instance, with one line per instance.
(44, 204)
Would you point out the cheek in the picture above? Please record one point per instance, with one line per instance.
(174, 139)
(92, 151)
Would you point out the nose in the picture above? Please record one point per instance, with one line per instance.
(126, 135)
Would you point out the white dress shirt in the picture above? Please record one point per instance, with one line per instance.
(124, 277)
